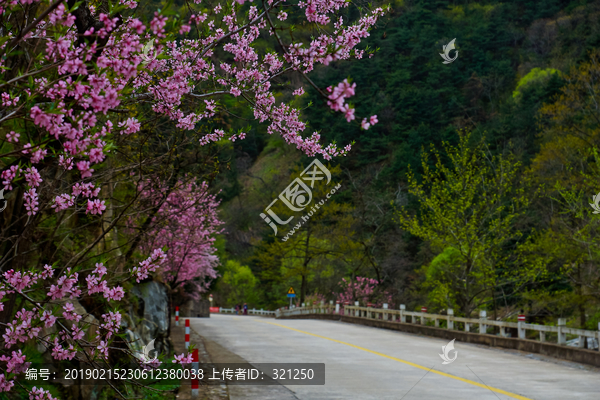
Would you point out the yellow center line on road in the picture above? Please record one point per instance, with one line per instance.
(470, 382)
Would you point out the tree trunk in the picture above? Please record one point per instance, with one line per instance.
(494, 304)
(581, 306)
(303, 289)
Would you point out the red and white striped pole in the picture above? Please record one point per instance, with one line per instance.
(176, 316)
(195, 367)
(520, 328)
(187, 334)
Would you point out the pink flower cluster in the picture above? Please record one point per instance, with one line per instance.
(62, 202)
(40, 394)
(65, 286)
(150, 264)
(16, 363)
(338, 97)
(183, 359)
(95, 207)
(96, 284)
(28, 324)
(31, 201)
(74, 120)
(85, 189)
(8, 175)
(372, 121)
(6, 100)
(13, 136)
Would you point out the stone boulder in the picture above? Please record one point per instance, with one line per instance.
(149, 318)
(195, 309)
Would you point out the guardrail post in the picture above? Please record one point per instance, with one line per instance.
(562, 337)
(423, 319)
(482, 317)
(542, 336)
(520, 327)
(450, 318)
(337, 307)
(436, 322)
(385, 315)
(521, 330)
(402, 316)
(582, 340)
(467, 327)
(356, 311)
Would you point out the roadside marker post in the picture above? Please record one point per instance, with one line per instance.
(187, 334)
(520, 327)
(195, 367)
(176, 316)
(402, 309)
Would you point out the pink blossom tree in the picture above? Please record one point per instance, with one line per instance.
(363, 290)
(186, 224)
(82, 88)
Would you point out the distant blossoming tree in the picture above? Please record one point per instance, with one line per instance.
(363, 290)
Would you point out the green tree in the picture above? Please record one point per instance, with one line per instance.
(469, 204)
(443, 279)
(238, 285)
(571, 128)
(563, 255)
(317, 247)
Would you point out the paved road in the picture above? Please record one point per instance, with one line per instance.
(370, 363)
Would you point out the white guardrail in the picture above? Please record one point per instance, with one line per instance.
(448, 321)
(250, 312)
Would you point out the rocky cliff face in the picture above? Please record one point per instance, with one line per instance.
(149, 319)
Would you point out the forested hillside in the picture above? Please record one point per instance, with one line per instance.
(472, 190)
